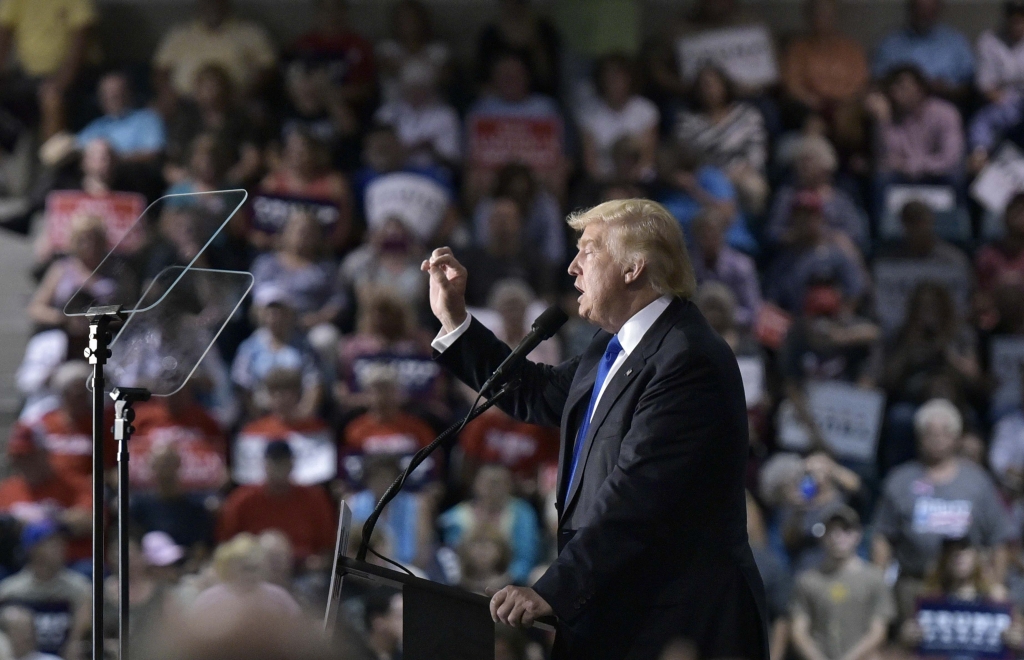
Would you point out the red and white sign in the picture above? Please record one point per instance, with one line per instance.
(498, 140)
(118, 210)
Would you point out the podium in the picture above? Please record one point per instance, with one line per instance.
(438, 620)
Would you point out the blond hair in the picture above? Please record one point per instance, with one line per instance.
(231, 553)
(645, 231)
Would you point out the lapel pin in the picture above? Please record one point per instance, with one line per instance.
(629, 372)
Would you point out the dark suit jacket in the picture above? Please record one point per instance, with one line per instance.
(652, 533)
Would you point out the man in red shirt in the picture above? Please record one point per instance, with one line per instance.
(523, 448)
(66, 431)
(37, 492)
(304, 513)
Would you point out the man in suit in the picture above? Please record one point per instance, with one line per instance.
(652, 534)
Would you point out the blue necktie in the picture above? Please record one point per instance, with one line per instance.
(610, 355)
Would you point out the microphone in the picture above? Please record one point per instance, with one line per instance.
(546, 325)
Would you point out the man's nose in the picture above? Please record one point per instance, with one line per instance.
(573, 268)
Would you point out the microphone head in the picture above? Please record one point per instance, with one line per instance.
(548, 323)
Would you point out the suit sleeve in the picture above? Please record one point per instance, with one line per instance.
(474, 356)
(664, 462)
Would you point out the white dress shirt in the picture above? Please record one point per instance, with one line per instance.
(630, 335)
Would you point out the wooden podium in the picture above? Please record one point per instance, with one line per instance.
(440, 622)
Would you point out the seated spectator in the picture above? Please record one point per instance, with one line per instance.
(493, 505)
(87, 246)
(52, 47)
(999, 268)
(506, 254)
(305, 173)
(961, 574)
(730, 133)
(428, 127)
(389, 257)
(826, 72)
(920, 243)
(812, 255)
(853, 624)
(1000, 72)
(689, 186)
(150, 600)
(619, 111)
(276, 343)
(137, 135)
(508, 99)
(407, 520)
(19, 629)
(543, 224)
(314, 107)
(816, 163)
(382, 617)
(36, 492)
(332, 49)
(921, 135)
(312, 441)
(57, 597)
(815, 492)
(303, 513)
(386, 429)
(181, 421)
(240, 564)
(531, 37)
(386, 335)
(411, 42)
(300, 271)
(66, 431)
(206, 167)
(387, 186)
(484, 559)
(933, 355)
(213, 109)
(715, 261)
(941, 53)
(242, 49)
(168, 509)
(514, 307)
(495, 437)
(935, 497)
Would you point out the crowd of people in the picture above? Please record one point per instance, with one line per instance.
(852, 221)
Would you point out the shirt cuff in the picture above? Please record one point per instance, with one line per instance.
(442, 342)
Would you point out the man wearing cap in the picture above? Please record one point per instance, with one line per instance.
(57, 596)
(841, 609)
(303, 513)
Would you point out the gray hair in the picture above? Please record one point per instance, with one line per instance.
(940, 411)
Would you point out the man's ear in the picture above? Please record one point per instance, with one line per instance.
(634, 271)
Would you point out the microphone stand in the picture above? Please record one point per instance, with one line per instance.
(421, 455)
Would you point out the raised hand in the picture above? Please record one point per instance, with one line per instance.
(447, 288)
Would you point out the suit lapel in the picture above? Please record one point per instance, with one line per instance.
(578, 398)
(618, 384)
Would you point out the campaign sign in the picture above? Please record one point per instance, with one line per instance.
(315, 453)
(270, 213)
(959, 629)
(746, 54)
(1000, 179)
(117, 210)
(849, 418)
(496, 140)
(896, 279)
(1006, 362)
(417, 200)
(416, 374)
(951, 219)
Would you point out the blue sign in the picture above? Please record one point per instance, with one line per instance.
(962, 629)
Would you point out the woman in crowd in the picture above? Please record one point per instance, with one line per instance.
(411, 41)
(618, 112)
(731, 133)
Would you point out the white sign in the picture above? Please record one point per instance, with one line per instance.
(896, 279)
(849, 418)
(316, 457)
(1000, 180)
(752, 373)
(418, 201)
(1006, 359)
(951, 221)
(746, 54)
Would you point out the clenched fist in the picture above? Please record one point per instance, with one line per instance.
(447, 288)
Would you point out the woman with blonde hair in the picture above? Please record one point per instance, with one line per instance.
(241, 568)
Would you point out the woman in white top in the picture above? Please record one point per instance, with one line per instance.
(411, 41)
(619, 112)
